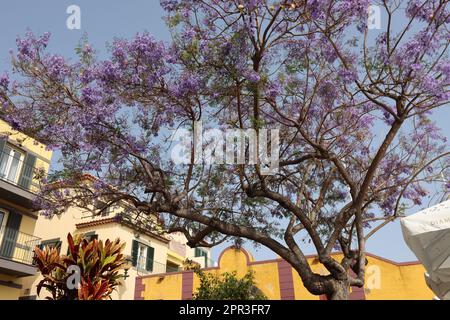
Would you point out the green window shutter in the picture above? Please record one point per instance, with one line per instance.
(2, 146)
(26, 176)
(150, 256)
(52, 243)
(90, 236)
(201, 253)
(58, 245)
(134, 253)
(14, 221)
(10, 235)
(206, 259)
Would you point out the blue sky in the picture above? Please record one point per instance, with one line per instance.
(103, 20)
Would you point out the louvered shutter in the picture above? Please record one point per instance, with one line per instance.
(150, 256)
(26, 175)
(10, 235)
(134, 253)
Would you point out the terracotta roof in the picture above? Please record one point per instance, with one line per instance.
(99, 222)
(95, 223)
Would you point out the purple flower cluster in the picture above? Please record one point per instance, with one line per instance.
(4, 81)
(306, 78)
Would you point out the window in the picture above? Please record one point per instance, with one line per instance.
(52, 243)
(100, 208)
(3, 218)
(10, 163)
(16, 166)
(172, 267)
(142, 256)
(201, 253)
(10, 233)
(89, 236)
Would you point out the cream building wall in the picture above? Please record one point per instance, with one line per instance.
(15, 199)
(79, 221)
(30, 145)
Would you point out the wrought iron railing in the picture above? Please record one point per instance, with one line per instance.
(17, 246)
(16, 171)
(162, 268)
(156, 267)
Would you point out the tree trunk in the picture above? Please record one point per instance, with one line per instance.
(340, 290)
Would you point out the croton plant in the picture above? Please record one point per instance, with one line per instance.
(100, 267)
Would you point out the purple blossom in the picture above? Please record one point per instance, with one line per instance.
(169, 5)
(253, 4)
(444, 68)
(4, 80)
(110, 116)
(188, 84)
(56, 66)
(30, 46)
(91, 96)
(252, 76)
(273, 90)
(347, 76)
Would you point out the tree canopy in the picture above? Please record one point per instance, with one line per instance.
(352, 106)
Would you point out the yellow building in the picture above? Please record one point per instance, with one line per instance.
(385, 279)
(147, 252)
(22, 160)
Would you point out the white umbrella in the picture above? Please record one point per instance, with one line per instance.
(427, 234)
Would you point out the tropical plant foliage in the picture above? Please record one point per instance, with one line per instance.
(100, 268)
(190, 264)
(227, 286)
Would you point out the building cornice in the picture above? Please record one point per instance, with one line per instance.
(118, 220)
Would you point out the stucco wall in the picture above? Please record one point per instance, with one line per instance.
(277, 280)
(60, 226)
(22, 141)
(27, 142)
(7, 292)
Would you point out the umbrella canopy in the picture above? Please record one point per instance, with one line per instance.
(427, 234)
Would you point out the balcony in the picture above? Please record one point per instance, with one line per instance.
(16, 177)
(157, 267)
(16, 252)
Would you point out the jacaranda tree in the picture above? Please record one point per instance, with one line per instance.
(357, 147)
